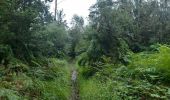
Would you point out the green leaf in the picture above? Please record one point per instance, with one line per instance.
(155, 95)
(169, 91)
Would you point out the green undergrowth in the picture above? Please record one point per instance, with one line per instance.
(93, 89)
(46, 79)
(146, 77)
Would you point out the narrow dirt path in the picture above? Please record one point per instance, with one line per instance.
(74, 85)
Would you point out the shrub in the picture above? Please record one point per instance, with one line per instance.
(152, 64)
(7, 94)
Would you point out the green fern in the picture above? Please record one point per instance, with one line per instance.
(8, 94)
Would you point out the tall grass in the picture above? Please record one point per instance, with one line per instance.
(146, 77)
(40, 82)
(59, 87)
(94, 89)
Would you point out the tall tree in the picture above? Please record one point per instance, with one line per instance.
(75, 33)
(19, 20)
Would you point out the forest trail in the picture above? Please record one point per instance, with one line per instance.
(74, 83)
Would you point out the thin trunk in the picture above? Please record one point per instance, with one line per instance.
(55, 10)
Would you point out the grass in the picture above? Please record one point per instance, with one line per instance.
(59, 87)
(50, 82)
(93, 89)
(146, 77)
(143, 78)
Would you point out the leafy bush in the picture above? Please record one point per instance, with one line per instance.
(7, 94)
(145, 77)
(51, 82)
(48, 79)
(152, 65)
(51, 41)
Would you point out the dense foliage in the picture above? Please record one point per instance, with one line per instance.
(123, 53)
(146, 77)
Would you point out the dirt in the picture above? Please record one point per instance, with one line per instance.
(74, 86)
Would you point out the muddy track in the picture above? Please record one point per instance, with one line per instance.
(74, 86)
